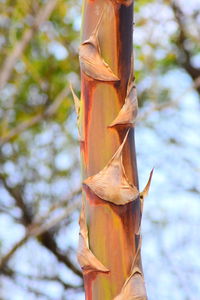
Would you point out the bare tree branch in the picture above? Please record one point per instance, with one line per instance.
(8, 255)
(49, 278)
(159, 107)
(14, 274)
(64, 202)
(34, 231)
(184, 58)
(46, 238)
(51, 110)
(43, 14)
(17, 194)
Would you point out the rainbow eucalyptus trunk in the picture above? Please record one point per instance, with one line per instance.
(110, 241)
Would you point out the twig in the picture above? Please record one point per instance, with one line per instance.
(159, 107)
(54, 207)
(46, 239)
(43, 14)
(36, 119)
(50, 278)
(182, 37)
(34, 230)
(5, 258)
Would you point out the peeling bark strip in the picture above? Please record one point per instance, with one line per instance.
(76, 102)
(86, 259)
(111, 184)
(78, 109)
(109, 253)
(134, 286)
(145, 192)
(91, 61)
(128, 113)
(134, 289)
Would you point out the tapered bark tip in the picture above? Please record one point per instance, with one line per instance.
(91, 62)
(87, 260)
(134, 290)
(128, 113)
(134, 286)
(145, 192)
(76, 100)
(111, 184)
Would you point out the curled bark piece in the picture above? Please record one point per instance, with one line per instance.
(111, 184)
(145, 192)
(87, 260)
(134, 286)
(92, 64)
(134, 289)
(143, 195)
(76, 101)
(77, 104)
(128, 113)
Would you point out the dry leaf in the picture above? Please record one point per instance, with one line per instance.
(86, 259)
(111, 184)
(92, 64)
(134, 286)
(128, 113)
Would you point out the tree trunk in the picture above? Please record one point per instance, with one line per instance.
(110, 242)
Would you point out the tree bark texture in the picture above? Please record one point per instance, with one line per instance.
(110, 241)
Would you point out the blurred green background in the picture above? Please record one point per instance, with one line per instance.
(39, 156)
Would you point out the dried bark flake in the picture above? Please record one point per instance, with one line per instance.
(111, 184)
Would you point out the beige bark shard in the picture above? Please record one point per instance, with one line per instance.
(134, 286)
(92, 64)
(87, 260)
(76, 101)
(143, 195)
(134, 289)
(145, 192)
(128, 113)
(111, 184)
(77, 104)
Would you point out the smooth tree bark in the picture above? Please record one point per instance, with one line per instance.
(110, 220)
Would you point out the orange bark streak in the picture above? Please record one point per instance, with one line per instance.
(111, 228)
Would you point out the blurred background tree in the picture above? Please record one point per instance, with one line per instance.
(39, 155)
